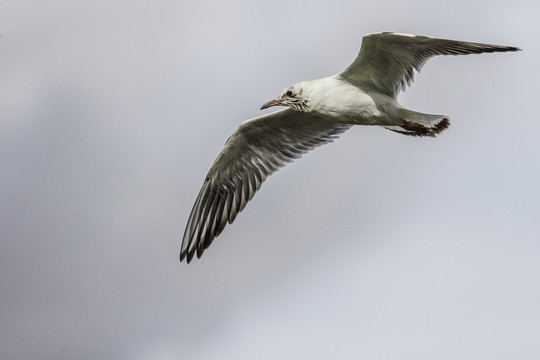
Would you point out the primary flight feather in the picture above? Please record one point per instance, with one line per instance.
(318, 111)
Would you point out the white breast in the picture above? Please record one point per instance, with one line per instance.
(338, 100)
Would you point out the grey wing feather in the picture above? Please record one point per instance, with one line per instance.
(258, 148)
(387, 61)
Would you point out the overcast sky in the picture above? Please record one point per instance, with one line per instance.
(378, 246)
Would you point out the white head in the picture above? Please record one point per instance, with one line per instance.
(294, 97)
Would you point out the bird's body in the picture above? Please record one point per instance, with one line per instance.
(319, 110)
(338, 101)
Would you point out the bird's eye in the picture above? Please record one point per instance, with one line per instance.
(289, 93)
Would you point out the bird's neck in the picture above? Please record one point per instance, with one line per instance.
(317, 92)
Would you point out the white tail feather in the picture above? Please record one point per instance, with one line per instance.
(418, 124)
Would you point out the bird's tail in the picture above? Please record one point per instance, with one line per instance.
(418, 124)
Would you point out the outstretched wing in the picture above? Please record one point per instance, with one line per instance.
(258, 148)
(387, 61)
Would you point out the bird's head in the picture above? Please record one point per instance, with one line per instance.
(294, 97)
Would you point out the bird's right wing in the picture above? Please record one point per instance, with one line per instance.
(387, 61)
(258, 148)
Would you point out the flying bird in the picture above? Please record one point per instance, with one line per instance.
(317, 112)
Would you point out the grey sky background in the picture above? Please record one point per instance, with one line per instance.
(378, 246)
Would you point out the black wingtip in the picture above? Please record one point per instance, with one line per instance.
(186, 255)
(512, 48)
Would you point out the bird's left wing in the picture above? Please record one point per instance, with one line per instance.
(257, 148)
(387, 61)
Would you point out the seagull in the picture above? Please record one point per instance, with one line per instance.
(317, 112)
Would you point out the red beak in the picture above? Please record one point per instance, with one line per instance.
(272, 103)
